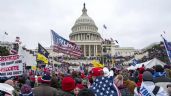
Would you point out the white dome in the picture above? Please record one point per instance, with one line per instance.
(84, 19)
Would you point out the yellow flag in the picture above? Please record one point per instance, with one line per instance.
(42, 58)
(33, 67)
(97, 64)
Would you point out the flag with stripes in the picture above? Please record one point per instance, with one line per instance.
(62, 45)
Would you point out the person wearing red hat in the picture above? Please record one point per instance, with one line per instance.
(95, 72)
(68, 85)
(78, 88)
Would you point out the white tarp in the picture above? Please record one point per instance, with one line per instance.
(147, 64)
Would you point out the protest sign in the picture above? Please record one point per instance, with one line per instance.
(11, 66)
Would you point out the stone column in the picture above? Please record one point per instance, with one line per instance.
(77, 37)
(94, 50)
(83, 37)
(80, 36)
(89, 50)
(90, 36)
(84, 50)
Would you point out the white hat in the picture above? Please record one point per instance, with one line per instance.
(111, 73)
(106, 71)
(6, 88)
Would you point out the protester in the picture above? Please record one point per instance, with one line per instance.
(6, 90)
(167, 70)
(141, 70)
(11, 82)
(68, 86)
(118, 81)
(26, 91)
(169, 89)
(148, 88)
(105, 86)
(44, 89)
(86, 92)
(128, 86)
(78, 88)
(54, 82)
(160, 78)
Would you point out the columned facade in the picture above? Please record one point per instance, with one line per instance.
(90, 50)
(85, 34)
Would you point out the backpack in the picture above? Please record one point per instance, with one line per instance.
(155, 90)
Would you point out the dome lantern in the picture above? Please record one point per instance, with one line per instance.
(84, 10)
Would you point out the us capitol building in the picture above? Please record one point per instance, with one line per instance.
(85, 34)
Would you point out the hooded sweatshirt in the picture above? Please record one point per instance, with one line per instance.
(146, 90)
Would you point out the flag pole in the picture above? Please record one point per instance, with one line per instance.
(52, 52)
(52, 56)
(166, 48)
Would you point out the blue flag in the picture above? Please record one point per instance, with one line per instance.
(134, 62)
(168, 48)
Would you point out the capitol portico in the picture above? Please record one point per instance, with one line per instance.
(85, 34)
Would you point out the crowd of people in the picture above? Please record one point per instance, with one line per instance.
(154, 81)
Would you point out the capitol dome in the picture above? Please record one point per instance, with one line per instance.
(85, 24)
(84, 19)
(85, 34)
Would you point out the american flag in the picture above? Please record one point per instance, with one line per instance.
(64, 46)
(104, 86)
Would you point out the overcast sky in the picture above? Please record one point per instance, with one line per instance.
(134, 23)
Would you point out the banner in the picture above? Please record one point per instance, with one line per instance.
(11, 66)
(64, 46)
